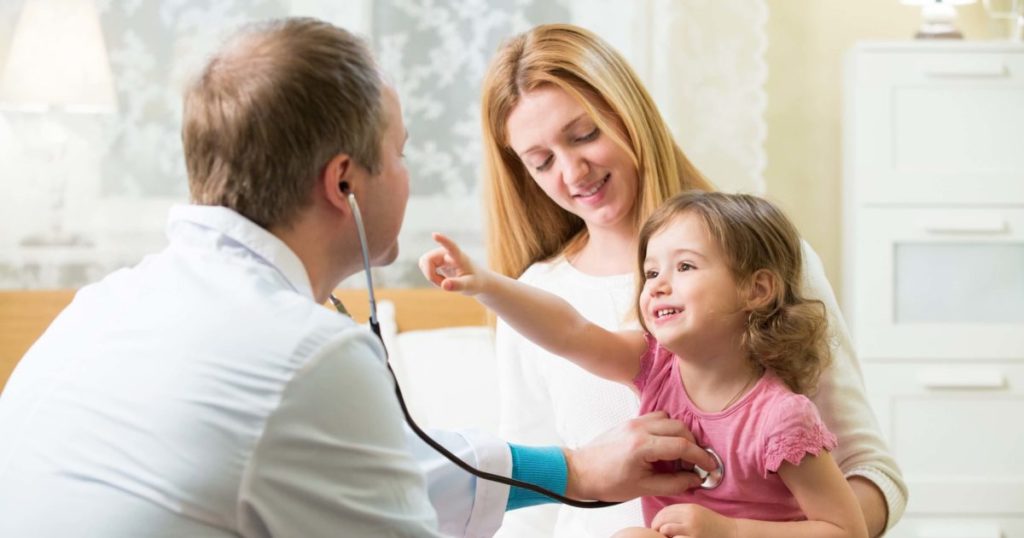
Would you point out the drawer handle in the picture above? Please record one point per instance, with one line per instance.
(991, 70)
(940, 378)
(967, 226)
(961, 530)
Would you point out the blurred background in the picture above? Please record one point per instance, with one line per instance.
(752, 89)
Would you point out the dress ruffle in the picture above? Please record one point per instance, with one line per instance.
(794, 444)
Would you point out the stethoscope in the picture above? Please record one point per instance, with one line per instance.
(710, 480)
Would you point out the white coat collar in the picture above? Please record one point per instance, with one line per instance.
(249, 235)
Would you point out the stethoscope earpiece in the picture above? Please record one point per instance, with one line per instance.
(358, 217)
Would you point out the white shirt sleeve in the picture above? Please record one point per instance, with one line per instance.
(466, 506)
(843, 404)
(334, 458)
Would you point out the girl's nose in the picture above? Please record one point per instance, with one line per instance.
(658, 286)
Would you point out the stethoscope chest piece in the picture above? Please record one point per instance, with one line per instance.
(713, 479)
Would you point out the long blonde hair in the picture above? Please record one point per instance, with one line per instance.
(787, 335)
(525, 225)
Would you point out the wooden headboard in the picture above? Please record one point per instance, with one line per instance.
(24, 315)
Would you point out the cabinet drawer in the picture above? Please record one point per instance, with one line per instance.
(947, 527)
(937, 127)
(956, 431)
(937, 283)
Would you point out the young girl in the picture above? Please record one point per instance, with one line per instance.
(729, 348)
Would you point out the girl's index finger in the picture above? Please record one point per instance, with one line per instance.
(447, 243)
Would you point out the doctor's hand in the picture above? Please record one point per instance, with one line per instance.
(618, 465)
(450, 269)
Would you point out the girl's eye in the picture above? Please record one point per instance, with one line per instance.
(588, 137)
(650, 274)
(544, 165)
(685, 267)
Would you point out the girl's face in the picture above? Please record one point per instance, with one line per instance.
(579, 167)
(690, 296)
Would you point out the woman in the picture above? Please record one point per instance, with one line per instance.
(576, 157)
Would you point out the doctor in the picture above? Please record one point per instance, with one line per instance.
(206, 391)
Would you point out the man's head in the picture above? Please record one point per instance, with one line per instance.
(272, 109)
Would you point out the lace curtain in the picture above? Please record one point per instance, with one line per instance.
(703, 61)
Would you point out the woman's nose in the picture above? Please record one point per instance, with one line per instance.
(575, 169)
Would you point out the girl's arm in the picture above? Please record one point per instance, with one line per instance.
(823, 495)
(820, 489)
(546, 319)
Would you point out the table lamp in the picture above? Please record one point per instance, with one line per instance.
(937, 18)
(57, 65)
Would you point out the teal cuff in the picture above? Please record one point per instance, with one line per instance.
(544, 466)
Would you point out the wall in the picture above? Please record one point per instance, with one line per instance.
(806, 45)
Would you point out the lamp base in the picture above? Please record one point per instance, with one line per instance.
(945, 32)
(938, 22)
(56, 239)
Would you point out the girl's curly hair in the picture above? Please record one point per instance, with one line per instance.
(787, 335)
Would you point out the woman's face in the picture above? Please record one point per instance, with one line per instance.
(579, 167)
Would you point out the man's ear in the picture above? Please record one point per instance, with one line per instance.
(762, 289)
(337, 179)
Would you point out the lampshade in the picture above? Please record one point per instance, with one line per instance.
(58, 60)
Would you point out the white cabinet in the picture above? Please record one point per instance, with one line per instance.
(934, 273)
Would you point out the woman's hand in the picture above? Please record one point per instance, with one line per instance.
(693, 521)
(450, 269)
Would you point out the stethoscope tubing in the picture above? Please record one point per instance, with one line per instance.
(375, 327)
(710, 480)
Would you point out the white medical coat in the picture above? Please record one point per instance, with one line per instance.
(205, 393)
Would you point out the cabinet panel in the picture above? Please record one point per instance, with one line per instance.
(955, 430)
(937, 128)
(963, 527)
(951, 131)
(938, 283)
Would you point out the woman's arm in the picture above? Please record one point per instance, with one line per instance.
(872, 504)
(862, 454)
(819, 488)
(544, 318)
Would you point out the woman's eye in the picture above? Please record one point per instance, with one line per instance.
(589, 136)
(544, 165)
(685, 267)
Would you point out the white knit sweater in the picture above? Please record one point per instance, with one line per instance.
(549, 400)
